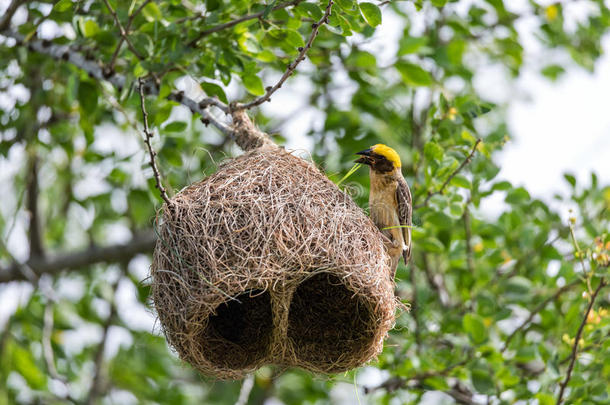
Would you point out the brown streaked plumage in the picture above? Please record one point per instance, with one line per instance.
(389, 200)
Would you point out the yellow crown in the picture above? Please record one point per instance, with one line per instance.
(387, 152)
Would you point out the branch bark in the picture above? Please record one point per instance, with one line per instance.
(455, 172)
(233, 23)
(536, 310)
(292, 65)
(5, 22)
(53, 265)
(36, 246)
(574, 354)
(151, 153)
(95, 69)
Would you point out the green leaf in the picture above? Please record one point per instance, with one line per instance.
(545, 399)
(140, 206)
(371, 13)
(413, 74)
(212, 89)
(456, 210)
(553, 72)
(268, 9)
(312, 10)
(89, 28)
(432, 151)
(570, 179)
(431, 245)
(461, 181)
(293, 38)
(345, 4)
(253, 84)
(482, 381)
(518, 287)
(439, 3)
(211, 5)
(62, 5)
(176, 126)
(25, 365)
(152, 12)
(87, 96)
(474, 326)
(408, 45)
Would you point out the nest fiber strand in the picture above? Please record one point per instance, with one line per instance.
(268, 262)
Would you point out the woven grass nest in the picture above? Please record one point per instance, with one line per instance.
(267, 262)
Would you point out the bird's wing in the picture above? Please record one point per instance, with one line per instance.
(405, 207)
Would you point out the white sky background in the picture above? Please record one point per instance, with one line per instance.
(556, 127)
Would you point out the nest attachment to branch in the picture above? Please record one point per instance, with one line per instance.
(268, 262)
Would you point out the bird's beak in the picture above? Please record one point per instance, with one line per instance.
(366, 156)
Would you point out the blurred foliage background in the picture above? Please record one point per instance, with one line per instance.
(505, 308)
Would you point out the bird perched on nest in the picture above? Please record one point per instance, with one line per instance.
(389, 200)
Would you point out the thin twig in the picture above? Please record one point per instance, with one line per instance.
(35, 236)
(202, 109)
(455, 172)
(536, 310)
(127, 29)
(565, 382)
(122, 30)
(97, 382)
(580, 256)
(293, 65)
(232, 23)
(468, 234)
(415, 310)
(151, 153)
(47, 348)
(246, 387)
(394, 383)
(437, 283)
(47, 330)
(10, 11)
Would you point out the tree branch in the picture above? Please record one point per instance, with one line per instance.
(565, 382)
(151, 153)
(536, 310)
(394, 383)
(293, 65)
(246, 386)
(123, 38)
(122, 31)
(96, 388)
(232, 23)
(5, 22)
(468, 239)
(36, 247)
(415, 310)
(437, 283)
(95, 69)
(455, 172)
(52, 265)
(47, 348)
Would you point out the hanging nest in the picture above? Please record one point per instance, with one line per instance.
(268, 262)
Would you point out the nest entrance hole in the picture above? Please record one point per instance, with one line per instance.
(239, 333)
(327, 320)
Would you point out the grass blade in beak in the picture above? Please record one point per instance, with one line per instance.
(351, 171)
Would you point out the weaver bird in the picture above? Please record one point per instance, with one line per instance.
(389, 201)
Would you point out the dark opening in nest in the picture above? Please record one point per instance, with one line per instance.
(239, 333)
(326, 320)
